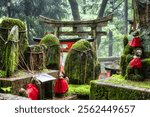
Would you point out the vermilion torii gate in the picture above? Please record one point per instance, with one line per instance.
(57, 26)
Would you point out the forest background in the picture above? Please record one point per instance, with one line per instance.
(110, 45)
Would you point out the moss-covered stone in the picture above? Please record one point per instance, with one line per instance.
(128, 49)
(110, 91)
(6, 25)
(125, 41)
(123, 65)
(36, 57)
(81, 64)
(146, 67)
(129, 57)
(11, 57)
(134, 74)
(52, 52)
(2, 74)
(82, 91)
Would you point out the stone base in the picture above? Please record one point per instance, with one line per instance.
(109, 91)
(20, 82)
(11, 97)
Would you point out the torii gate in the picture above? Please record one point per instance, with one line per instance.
(93, 24)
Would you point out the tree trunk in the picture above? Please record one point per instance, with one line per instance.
(76, 14)
(110, 43)
(74, 9)
(84, 8)
(101, 14)
(8, 8)
(102, 8)
(126, 16)
(27, 14)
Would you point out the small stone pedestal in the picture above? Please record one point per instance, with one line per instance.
(35, 57)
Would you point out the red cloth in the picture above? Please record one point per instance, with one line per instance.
(136, 42)
(32, 91)
(61, 86)
(68, 44)
(136, 63)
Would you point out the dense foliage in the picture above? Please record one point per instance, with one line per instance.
(29, 11)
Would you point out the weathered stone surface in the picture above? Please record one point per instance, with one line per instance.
(11, 97)
(11, 53)
(109, 91)
(36, 57)
(52, 51)
(81, 64)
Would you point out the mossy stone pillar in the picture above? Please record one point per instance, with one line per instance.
(52, 52)
(11, 57)
(81, 65)
(6, 25)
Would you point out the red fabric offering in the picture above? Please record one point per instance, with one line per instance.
(136, 63)
(32, 91)
(136, 42)
(68, 44)
(61, 86)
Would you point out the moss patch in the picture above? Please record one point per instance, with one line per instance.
(118, 79)
(82, 91)
(7, 24)
(81, 64)
(125, 41)
(5, 89)
(146, 67)
(116, 88)
(2, 74)
(11, 58)
(52, 52)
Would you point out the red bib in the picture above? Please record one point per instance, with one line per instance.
(136, 63)
(61, 86)
(32, 91)
(136, 42)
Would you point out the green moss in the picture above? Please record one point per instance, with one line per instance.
(82, 45)
(82, 91)
(6, 89)
(81, 65)
(129, 57)
(146, 67)
(146, 54)
(134, 74)
(11, 58)
(123, 65)
(7, 24)
(118, 89)
(118, 79)
(10, 22)
(125, 41)
(2, 74)
(52, 53)
(128, 50)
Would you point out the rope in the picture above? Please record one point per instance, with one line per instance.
(22, 60)
(2, 39)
